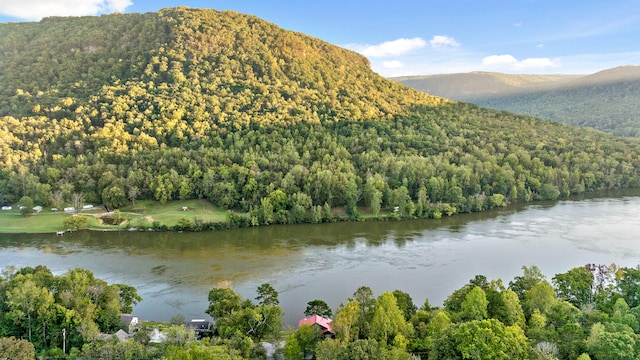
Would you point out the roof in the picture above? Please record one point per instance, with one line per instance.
(198, 324)
(127, 319)
(324, 323)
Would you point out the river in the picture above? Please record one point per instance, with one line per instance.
(427, 258)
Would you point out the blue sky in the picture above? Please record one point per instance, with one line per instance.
(426, 37)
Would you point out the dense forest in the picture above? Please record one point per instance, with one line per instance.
(588, 312)
(187, 103)
(608, 100)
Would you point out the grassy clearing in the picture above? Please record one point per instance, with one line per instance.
(46, 221)
(143, 214)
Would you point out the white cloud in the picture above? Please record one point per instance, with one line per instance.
(535, 63)
(393, 64)
(509, 62)
(37, 9)
(439, 41)
(540, 46)
(391, 48)
(499, 60)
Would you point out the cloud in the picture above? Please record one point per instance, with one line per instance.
(510, 62)
(37, 9)
(439, 41)
(499, 60)
(393, 64)
(391, 48)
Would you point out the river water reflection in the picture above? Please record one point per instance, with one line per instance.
(426, 258)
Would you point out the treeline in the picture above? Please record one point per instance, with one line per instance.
(226, 107)
(46, 309)
(588, 312)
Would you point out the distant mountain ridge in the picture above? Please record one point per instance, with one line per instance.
(608, 100)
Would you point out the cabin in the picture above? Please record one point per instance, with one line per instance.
(317, 320)
(201, 328)
(129, 322)
(121, 335)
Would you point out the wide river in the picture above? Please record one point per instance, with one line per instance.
(426, 258)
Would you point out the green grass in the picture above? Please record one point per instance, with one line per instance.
(46, 221)
(142, 214)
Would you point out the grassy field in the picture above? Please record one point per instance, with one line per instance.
(142, 214)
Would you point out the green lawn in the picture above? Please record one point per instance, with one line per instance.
(143, 214)
(46, 221)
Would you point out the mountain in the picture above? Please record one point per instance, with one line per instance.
(608, 100)
(191, 103)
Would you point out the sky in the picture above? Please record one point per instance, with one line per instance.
(424, 37)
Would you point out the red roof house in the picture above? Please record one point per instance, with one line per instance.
(323, 323)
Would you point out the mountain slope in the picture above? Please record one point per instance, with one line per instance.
(608, 100)
(190, 103)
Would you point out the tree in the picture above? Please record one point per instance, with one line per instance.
(388, 321)
(611, 341)
(317, 307)
(16, 349)
(267, 295)
(75, 222)
(405, 304)
(26, 205)
(490, 339)
(114, 197)
(345, 323)
(521, 284)
(27, 301)
(540, 297)
(223, 302)
(77, 200)
(575, 286)
(474, 306)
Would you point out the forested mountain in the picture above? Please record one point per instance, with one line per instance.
(608, 100)
(189, 103)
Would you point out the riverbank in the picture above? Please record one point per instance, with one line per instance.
(142, 215)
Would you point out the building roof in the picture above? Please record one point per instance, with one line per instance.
(324, 323)
(127, 319)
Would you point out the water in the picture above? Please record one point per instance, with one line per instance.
(426, 258)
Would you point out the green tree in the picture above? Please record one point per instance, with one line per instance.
(490, 339)
(575, 286)
(26, 205)
(474, 306)
(388, 321)
(75, 222)
(611, 341)
(317, 307)
(114, 197)
(405, 304)
(346, 320)
(16, 349)
(223, 302)
(267, 295)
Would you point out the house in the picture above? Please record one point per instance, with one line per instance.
(323, 323)
(129, 322)
(120, 334)
(201, 327)
(37, 209)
